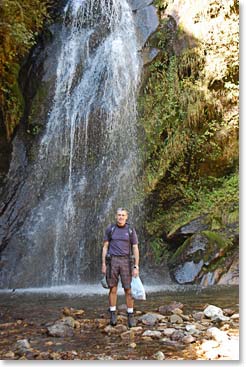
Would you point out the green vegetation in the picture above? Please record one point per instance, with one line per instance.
(20, 23)
(189, 111)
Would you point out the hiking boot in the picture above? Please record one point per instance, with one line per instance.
(131, 320)
(113, 318)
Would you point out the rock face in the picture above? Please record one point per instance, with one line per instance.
(146, 22)
(40, 194)
(203, 259)
(198, 43)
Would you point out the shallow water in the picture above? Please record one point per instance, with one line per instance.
(37, 307)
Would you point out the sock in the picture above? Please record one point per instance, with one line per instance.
(129, 310)
(112, 308)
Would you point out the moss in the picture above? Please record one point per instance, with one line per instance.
(191, 128)
(20, 24)
(39, 108)
(215, 238)
(14, 101)
(216, 245)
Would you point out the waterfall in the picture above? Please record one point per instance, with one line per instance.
(88, 160)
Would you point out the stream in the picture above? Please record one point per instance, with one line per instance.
(26, 313)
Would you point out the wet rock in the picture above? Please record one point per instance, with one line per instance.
(9, 355)
(55, 356)
(160, 356)
(72, 312)
(149, 54)
(225, 327)
(167, 309)
(169, 331)
(215, 313)
(150, 318)
(137, 330)
(153, 334)
(128, 335)
(22, 346)
(199, 253)
(101, 323)
(185, 317)
(69, 321)
(188, 339)
(198, 316)
(60, 329)
(132, 345)
(118, 329)
(49, 343)
(231, 276)
(177, 335)
(66, 311)
(182, 233)
(161, 327)
(228, 312)
(217, 334)
(176, 319)
(77, 325)
(230, 348)
(146, 21)
(235, 316)
(177, 311)
(208, 345)
(191, 329)
(188, 271)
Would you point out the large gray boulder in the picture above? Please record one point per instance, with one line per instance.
(200, 255)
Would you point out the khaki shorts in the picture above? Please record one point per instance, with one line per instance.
(120, 266)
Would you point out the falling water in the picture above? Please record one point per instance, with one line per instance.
(88, 162)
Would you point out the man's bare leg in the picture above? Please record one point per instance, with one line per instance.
(113, 296)
(112, 305)
(130, 305)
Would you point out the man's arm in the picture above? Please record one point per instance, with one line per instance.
(104, 253)
(135, 251)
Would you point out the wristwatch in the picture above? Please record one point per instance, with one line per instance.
(136, 267)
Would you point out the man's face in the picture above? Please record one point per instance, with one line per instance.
(121, 217)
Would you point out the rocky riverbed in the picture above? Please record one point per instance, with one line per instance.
(169, 327)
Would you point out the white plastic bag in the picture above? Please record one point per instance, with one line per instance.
(137, 289)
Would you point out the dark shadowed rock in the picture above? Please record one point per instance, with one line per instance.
(182, 233)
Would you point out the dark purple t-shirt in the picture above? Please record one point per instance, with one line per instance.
(120, 243)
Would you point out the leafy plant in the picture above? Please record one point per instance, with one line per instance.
(20, 23)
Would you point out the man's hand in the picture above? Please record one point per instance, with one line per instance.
(104, 268)
(135, 272)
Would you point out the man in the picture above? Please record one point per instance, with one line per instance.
(120, 242)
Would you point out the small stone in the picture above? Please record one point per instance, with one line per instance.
(49, 343)
(23, 346)
(228, 311)
(66, 311)
(177, 311)
(176, 319)
(160, 356)
(9, 355)
(188, 339)
(77, 325)
(168, 331)
(132, 345)
(127, 335)
(152, 334)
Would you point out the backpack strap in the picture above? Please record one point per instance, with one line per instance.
(112, 229)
